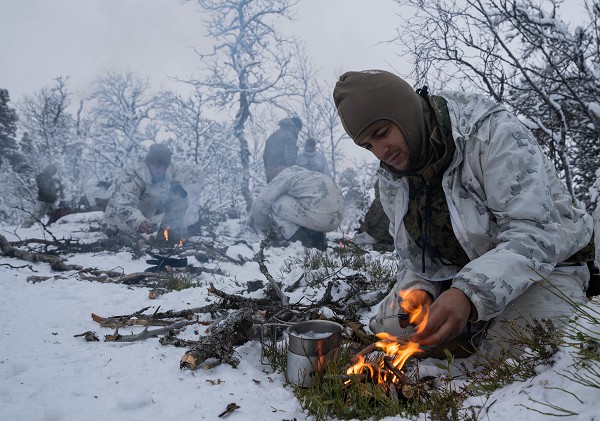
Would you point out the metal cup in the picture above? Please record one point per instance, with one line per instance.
(312, 344)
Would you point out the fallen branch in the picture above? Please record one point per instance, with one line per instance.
(155, 319)
(260, 258)
(56, 263)
(146, 333)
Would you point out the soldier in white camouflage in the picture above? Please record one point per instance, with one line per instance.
(147, 197)
(50, 191)
(299, 205)
(312, 159)
(485, 230)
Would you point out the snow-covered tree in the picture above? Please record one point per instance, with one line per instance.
(45, 118)
(205, 156)
(50, 136)
(124, 112)
(249, 64)
(321, 120)
(522, 54)
(8, 128)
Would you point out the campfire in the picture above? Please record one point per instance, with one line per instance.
(382, 362)
(169, 236)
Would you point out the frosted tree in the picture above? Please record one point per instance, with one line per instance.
(8, 128)
(124, 112)
(14, 188)
(51, 136)
(249, 64)
(44, 116)
(205, 160)
(320, 115)
(522, 54)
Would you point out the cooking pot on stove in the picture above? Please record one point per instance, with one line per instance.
(312, 344)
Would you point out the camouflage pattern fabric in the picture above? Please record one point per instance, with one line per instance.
(298, 198)
(514, 218)
(376, 223)
(539, 302)
(314, 161)
(137, 199)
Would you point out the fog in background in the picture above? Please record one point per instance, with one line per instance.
(41, 40)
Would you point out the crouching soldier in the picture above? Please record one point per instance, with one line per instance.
(302, 205)
(486, 233)
(50, 190)
(146, 198)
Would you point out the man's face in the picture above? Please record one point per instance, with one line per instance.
(385, 140)
(158, 170)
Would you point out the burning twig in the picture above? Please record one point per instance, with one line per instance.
(387, 361)
(396, 350)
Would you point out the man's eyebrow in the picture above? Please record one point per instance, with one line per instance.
(362, 140)
(369, 134)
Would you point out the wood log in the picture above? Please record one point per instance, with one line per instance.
(235, 330)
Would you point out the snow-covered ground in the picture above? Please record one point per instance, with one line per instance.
(48, 374)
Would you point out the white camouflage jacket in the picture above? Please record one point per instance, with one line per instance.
(510, 212)
(137, 199)
(298, 197)
(314, 161)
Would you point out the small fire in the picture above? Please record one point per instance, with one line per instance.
(416, 305)
(166, 233)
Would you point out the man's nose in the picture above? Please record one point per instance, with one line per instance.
(379, 150)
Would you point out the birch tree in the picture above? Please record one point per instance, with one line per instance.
(320, 115)
(124, 112)
(51, 136)
(250, 64)
(522, 54)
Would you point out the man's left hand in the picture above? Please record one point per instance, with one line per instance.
(145, 227)
(448, 315)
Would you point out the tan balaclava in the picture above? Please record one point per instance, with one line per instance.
(363, 98)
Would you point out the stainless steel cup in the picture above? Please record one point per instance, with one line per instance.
(312, 344)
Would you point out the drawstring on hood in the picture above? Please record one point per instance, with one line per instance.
(367, 97)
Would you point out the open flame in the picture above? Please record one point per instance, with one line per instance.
(175, 236)
(416, 305)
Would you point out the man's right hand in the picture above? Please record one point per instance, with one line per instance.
(145, 227)
(448, 315)
(416, 299)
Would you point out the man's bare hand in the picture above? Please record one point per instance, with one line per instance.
(411, 303)
(145, 227)
(448, 315)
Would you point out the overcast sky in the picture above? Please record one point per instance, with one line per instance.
(43, 39)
